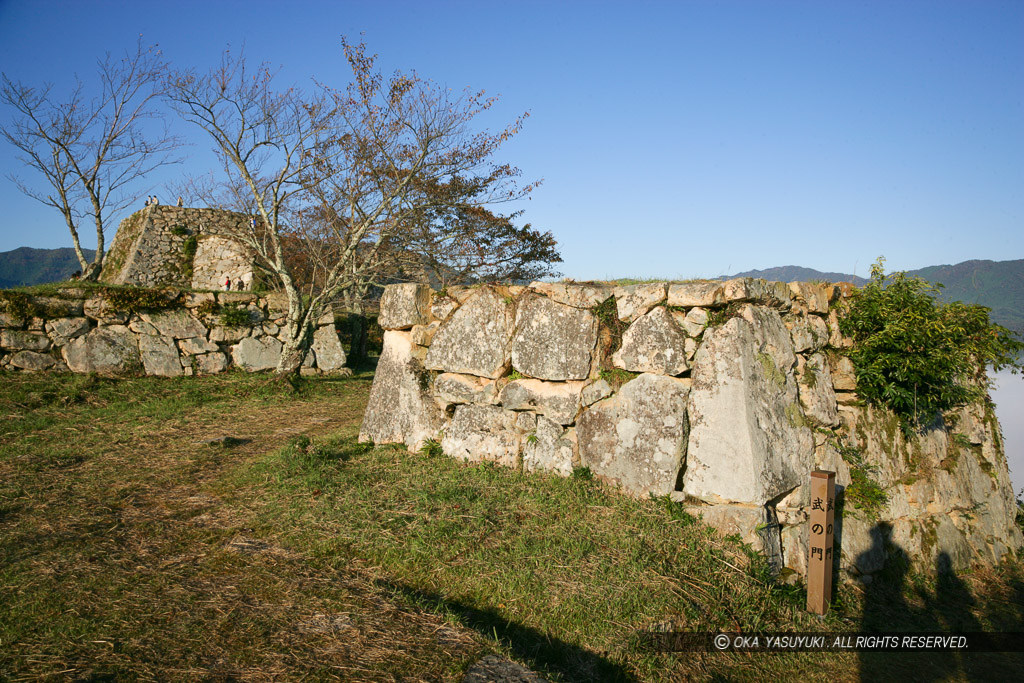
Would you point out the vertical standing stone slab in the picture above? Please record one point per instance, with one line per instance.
(749, 442)
(553, 341)
(400, 408)
(404, 305)
(637, 438)
(477, 338)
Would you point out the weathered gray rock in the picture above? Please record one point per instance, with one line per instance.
(8, 320)
(211, 363)
(63, 330)
(30, 360)
(817, 398)
(558, 401)
(477, 338)
(20, 339)
(451, 389)
(400, 408)
(748, 440)
(176, 324)
(404, 305)
(578, 295)
(809, 333)
(632, 301)
(196, 346)
(754, 290)
(551, 448)
(844, 376)
(654, 343)
(255, 354)
(553, 341)
(637, 438)
(592, 393)
(483, 433)
(229, 335)
(695, 321)
(814, 296)
(423, 335)
(160, 356)
(99, 309)
(107, 350)
(442, 306)
(689, 294)
(330, 356)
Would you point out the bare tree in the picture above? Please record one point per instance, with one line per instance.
(91, 152)
(339, 173)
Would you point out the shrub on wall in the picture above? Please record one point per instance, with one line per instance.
(916, 355)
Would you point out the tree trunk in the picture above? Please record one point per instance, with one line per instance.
(358, 327)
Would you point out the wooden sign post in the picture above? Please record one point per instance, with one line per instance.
(819, 566)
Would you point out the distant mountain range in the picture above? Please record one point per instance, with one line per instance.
(27, 266)
(996, 284)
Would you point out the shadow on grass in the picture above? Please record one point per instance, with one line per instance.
(538, 650)
(949, 609)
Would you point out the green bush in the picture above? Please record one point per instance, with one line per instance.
(233, 315)
(916, 355)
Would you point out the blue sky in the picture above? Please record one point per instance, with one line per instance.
(676, 139)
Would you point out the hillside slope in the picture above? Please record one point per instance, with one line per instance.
(27, 266)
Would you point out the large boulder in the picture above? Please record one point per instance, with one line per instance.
(558, 401)
(553, 341)
(817, 397)
(654, 343)
(404, 305)
(108, 350)
(400, 408)
(330, 356)
(63, 330)
(20, 339)
(748, 439)
(160, 356)
(632, 301)
(637, 438)
(689, 294)
(255, 354)
(477, 338)
(483, 433)
(578, 295)
(30, 360)
(452, 389)
(176, 324)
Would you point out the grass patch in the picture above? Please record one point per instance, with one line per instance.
(130, 547)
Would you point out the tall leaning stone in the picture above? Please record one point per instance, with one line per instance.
(553, 341)
(637, 438)
(400, 409)
(476, 339)
(404, 305)
(748, 441)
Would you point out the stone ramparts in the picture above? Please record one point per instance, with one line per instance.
(88, 330)
(722, 395)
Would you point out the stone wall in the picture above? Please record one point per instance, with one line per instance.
(170, 246)
(81, 330)
(721, 395)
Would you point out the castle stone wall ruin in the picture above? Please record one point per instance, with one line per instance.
(82, 330)
(721, 395)
(170, 246)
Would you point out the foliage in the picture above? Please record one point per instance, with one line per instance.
(431, 448)
(917, 356)
(863, 491)
(188, 255)
(514, 375)
(135, 299)
(335, 178)
(720, 316)
(207, 308)
(233, 315)
(616, 376)
(18, 304)
(90, 153)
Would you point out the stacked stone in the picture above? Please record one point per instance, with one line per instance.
(83, 333)
(149, 249)
(729, 418)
